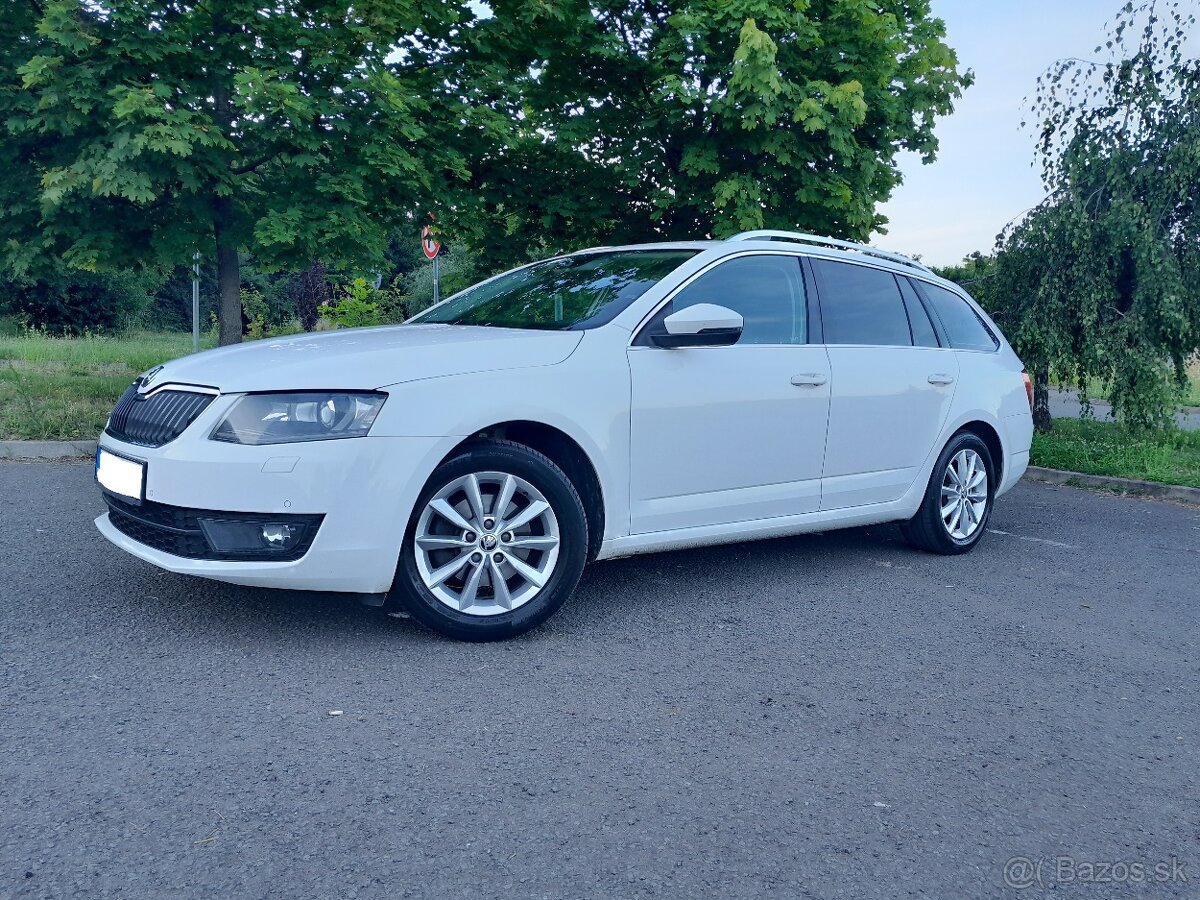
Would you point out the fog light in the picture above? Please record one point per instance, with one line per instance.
(230, 536)
(277, 536)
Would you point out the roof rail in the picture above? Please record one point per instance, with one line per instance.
(801, 238)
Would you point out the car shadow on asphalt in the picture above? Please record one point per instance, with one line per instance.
(609, 595)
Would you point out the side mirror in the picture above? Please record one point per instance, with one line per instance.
(700, 325)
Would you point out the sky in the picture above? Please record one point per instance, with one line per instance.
(984, 176)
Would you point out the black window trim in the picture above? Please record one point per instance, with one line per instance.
(641, 336)
(935, 317)
(939, 333)
(816, 328)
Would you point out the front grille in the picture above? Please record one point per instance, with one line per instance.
(155, 420)
(176, 530)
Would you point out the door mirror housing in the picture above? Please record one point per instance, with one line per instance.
(700, 325)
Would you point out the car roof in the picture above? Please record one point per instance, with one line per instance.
(860, 253)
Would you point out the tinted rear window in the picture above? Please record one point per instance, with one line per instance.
(962, 324)
(861, 305)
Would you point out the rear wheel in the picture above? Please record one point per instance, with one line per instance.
(496, 544)
(958, 501)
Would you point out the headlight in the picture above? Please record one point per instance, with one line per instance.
(309, 416)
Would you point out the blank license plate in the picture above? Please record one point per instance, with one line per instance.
(126, 477)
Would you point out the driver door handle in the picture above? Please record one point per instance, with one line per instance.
(809, 379)
(940, 378)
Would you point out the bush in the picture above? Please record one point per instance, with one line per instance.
(71, 301)
(171, 309)
(12, 325)
(254, 313)
(395, 305)
(272, 287)
(412, 292)
(309, 291)
(358, 307)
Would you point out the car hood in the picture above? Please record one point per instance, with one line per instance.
(366, 358)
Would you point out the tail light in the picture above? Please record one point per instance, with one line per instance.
(1028, 388)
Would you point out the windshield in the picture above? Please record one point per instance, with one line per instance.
(571, 292)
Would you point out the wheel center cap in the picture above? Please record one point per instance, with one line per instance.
(488, 542)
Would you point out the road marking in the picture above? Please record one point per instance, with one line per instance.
(1033, 540)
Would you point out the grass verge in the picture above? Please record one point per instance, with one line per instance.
(63, 388)
(1102, 448)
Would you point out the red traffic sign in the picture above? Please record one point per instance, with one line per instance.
(429, 244)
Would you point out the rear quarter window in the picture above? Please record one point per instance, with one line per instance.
(962, 325)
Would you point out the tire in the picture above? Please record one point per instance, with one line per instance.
(928, 530)
(494, 592)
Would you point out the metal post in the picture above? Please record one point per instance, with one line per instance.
(196, 302)
(437, 289)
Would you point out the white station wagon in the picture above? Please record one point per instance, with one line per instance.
(467, 464)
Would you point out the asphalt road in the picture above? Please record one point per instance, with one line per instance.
(827, 716)
(1064, 404)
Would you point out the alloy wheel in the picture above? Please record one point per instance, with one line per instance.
(964, 495)
(486, 543)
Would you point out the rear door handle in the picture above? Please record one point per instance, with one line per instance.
(939, 378)
(809, 379)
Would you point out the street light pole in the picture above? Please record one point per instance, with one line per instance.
(196, 302)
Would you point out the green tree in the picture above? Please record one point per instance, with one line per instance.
(973, 274)
(650, 119)
(141, 131)
(1102, 280)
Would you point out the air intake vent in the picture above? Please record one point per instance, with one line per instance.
(157, 419)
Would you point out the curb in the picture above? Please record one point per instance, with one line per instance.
(1111, 483)
(46, 449)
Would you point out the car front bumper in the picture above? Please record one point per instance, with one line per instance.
(363, 487)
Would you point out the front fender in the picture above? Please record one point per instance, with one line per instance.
(587, 402)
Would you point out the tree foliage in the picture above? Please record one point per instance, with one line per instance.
(1102, 280)
(629, 120)
(973, 273)
(140, 131)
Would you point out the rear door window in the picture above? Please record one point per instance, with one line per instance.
(961, 323)
(861, 305)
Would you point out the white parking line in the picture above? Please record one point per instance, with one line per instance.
(1033, 540)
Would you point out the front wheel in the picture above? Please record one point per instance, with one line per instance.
(496, 544)
(958, 501)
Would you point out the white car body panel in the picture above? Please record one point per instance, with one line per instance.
(882, 412)
(366, 358)
(600, 426)
(690, 447)
(701, 317)
(722, 435)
